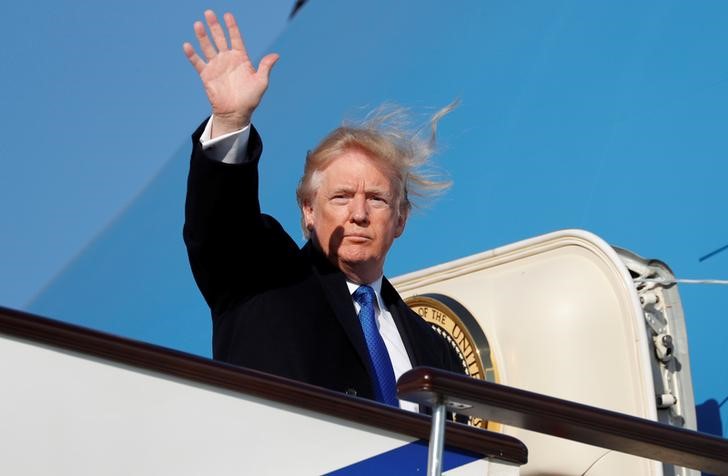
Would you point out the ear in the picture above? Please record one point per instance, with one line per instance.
(308, 215)
(401, 221)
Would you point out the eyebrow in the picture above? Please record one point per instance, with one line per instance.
(368, 191)
(339, 190)
(379, 192)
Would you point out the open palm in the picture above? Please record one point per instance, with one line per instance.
(233, 85)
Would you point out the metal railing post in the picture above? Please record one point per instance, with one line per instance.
(437, 439)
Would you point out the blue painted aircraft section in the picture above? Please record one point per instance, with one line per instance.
(410, 459)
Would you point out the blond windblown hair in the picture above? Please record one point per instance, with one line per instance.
(386, 135)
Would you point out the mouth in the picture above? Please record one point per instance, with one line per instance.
(357, 238)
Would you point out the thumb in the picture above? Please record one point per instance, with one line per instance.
(266, 64)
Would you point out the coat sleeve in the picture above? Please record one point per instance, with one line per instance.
(235, 251)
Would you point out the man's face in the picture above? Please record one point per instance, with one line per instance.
(352, 216)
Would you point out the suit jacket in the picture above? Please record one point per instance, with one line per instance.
(277, 307)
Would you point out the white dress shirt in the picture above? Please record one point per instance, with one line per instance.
(229, 148)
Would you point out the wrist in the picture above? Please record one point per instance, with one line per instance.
(222, 124)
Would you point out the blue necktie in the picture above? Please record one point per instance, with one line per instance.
(385, 387)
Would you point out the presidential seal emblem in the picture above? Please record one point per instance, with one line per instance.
(451, 320)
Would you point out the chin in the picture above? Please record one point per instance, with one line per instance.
(354, 256)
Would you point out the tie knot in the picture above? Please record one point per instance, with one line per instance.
(364, 295)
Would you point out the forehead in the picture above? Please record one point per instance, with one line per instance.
(354, 168)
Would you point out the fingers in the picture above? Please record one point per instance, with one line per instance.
(191, 54)
(210, 50)
(218, 35)
(207, 49)
(236, 39)
(266, 64)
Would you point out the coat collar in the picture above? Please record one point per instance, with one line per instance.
(400, 313)
(337, 293)
(334, 285)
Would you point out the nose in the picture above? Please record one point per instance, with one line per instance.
(359, 210)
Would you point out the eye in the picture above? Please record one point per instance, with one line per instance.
(339, 199)
(378, 201)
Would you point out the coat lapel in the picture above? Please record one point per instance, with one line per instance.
(334, 285)
(418, 354)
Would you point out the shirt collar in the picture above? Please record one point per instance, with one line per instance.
(375, 285)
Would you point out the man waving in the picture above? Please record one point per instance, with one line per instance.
(324, 313)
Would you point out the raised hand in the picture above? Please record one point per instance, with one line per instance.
(233, 85)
